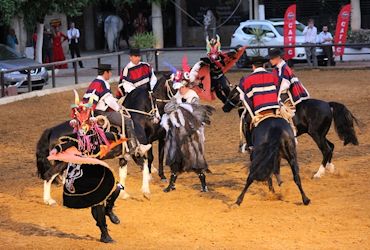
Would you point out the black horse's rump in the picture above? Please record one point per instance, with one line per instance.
(274, 139)
(47, 141)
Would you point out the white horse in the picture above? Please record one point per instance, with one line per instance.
(113, 26)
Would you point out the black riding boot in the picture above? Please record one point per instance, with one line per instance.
(110, 204)
(99, 215)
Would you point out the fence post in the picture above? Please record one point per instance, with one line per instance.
(53, 76)
(156, 60)
(119, 64)
(29, 80)
(75, 72)
(2, 79)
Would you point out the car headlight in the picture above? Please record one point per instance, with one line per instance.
(43, 70)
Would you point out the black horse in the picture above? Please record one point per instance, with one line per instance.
(273, 139)
(313, 117)
(146, 130)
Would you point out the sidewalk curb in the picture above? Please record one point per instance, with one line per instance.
(38, 93)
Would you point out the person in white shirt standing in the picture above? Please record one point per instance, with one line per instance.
(73, 40)
(310, 38)
(326, 38)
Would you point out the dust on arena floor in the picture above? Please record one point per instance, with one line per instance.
(338, 218)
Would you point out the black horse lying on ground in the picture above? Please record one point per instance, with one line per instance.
(273, 139)
(147, 131)
(313, 117)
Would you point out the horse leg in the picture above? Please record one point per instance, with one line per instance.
(297, 180)
(47, 191)
(146, 179)
(161, 143)
(277, 173)
(202, 178)
(291, 156)
(171, 185)
(330, 166)
(247, 184)
(122, 178)
(271, 187)
(325, 150)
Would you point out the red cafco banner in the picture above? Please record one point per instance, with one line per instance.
(289, 31)
(342, 28)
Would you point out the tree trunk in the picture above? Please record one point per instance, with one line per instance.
(40, 35)
(157, 24)
(355, 15)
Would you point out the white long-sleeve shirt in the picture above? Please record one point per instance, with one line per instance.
(73, 34)
(325, 37)
(310, 34)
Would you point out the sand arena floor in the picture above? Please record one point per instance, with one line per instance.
(337, 218)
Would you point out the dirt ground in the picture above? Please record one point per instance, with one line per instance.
(337, 218)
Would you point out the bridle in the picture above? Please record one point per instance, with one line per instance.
(229, 100)
(170, 94)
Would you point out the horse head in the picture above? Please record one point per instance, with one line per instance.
(233, 100)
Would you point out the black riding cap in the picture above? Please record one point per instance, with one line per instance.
(275, 53)
(259, 60)
(135, 52)
(104, 67)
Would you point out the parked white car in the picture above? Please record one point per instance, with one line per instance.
(272, 34)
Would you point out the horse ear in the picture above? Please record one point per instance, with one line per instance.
(77, 98)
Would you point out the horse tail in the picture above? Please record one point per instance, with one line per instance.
(42, 152)
(343, 121)
(266, 156)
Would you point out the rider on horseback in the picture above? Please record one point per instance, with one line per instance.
(105, 104)
(291, 90)
(260, 94)
(136, 74)
(184, 93)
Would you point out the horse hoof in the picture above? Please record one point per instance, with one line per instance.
(146, 196)
(169, 188)
(317, 176)
(306, 201)
(124, 195)
(50, 202)
(204, 190)
(163, 179)
(330, 167)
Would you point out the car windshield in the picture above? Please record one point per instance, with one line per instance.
(299, 29)
(7, 53)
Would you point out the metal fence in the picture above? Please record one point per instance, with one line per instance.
(98, 58)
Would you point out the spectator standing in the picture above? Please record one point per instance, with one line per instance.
(74, 40)
(11, 39)
(58, 53)
(310, 38)
(140, 23)
(326, 38)
(47, 46)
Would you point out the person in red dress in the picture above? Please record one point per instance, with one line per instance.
(58, 53)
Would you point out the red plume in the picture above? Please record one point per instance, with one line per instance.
(185, 65)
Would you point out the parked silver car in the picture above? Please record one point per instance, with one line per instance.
(11, 59)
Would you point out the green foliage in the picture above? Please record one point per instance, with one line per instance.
(359, 36)
(257, 40)
(144, 40)
(8, 8)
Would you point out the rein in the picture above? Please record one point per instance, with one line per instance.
(170, 94)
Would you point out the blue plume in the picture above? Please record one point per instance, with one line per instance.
(172, 68)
